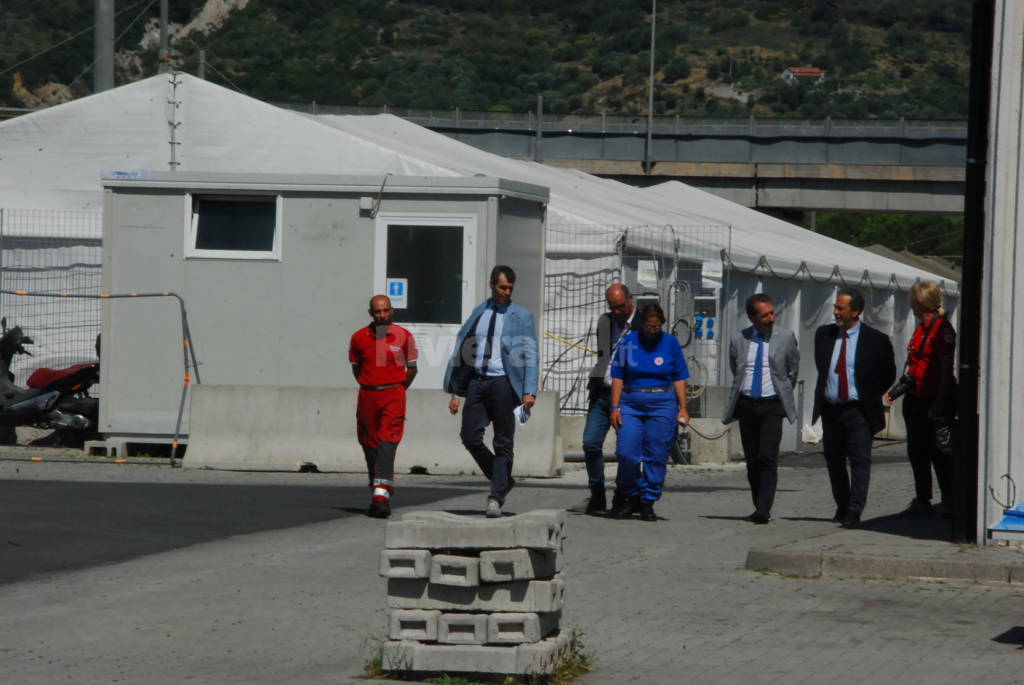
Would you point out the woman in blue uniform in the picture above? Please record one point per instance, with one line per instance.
(649, 375)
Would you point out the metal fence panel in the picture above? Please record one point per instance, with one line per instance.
(54, 252)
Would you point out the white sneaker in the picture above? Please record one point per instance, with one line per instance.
(493, 508)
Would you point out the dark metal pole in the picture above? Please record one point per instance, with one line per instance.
(538, 151)
(103, 46)
(650, 94)
(966, 462)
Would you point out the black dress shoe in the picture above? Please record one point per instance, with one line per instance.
(840, 515)
(623, 508)
(759, 518)
(647, 512)
(851, 520)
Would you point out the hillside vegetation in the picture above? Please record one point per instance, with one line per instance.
(886, 59)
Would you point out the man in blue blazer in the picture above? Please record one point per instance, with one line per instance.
(495, 368)
(855, 367)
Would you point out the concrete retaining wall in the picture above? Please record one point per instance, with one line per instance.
(265, 428)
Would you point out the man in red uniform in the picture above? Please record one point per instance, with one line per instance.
(383, 357)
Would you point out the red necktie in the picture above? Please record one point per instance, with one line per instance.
(844, 384)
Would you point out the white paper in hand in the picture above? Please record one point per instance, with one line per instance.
(522, 414)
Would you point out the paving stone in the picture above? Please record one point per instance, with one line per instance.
(462, 629)
(497, 566)
(414, 624)
(513, 628)
(538, 657)
(540, 529)
(405, 563)
(457, 571)
(519, 596)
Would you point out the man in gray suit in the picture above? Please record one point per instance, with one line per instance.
(764, 360)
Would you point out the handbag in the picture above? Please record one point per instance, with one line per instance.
(945, 423)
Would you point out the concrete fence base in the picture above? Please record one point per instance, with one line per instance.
(270, 428)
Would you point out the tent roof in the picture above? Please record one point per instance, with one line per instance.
(61, 152)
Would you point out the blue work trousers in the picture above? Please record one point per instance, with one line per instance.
(648, 429)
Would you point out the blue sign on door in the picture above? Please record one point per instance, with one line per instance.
(397, 290)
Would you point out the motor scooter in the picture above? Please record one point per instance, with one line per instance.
(56, 399)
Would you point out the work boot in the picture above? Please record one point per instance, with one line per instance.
(597, 504)
(647, 512)
(379, 509)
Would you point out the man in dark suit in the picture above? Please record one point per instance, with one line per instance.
(855, 367)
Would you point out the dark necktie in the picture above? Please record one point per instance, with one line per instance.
(490, 341)
(844, 384)
(757, 382)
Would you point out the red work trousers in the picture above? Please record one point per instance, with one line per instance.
(380, 416)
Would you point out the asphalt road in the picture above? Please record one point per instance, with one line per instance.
(51, 526)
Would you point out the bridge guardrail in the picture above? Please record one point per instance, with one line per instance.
(674, 125)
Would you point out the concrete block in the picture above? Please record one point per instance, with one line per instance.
(515, 628)
(414, 624)
(543, 656)
(504, 565)
(519, 596)
(414, 656)
(449, 569)
(541, 529)
(405, 563)
(539, 657)
(462, 629)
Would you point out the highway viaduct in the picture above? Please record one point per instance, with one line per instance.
(897, 166)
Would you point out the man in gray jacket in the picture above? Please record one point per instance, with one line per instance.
(764, 360)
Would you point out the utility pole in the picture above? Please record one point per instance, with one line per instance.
(103, 46)
(650, 94)
(163, 59)
(538, 151)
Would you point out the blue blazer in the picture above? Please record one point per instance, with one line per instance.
(519, 354)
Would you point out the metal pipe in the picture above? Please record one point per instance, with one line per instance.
(966, 463)
(103, 46)
(163, 59)
(650, 94)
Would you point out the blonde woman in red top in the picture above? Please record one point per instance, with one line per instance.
(928, 382)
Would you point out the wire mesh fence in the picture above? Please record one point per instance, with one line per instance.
(678, 267)
(55, 252)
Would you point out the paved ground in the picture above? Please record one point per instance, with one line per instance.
(144, 574)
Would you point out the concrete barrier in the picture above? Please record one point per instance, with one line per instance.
(271, 428)
(493, 601)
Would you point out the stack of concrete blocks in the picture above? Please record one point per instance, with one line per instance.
(475, 595)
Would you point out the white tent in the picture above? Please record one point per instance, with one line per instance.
(178, 122)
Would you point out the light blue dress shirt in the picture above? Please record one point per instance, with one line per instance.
(832, 385)
(494, 366)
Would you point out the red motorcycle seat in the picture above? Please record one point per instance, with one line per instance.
(41, 378)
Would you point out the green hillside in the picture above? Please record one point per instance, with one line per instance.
(886, 59)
